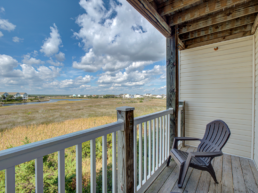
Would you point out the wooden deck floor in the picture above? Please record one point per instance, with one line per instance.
(234, 174)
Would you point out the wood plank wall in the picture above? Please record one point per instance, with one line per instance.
(218, 85)
(256, 99)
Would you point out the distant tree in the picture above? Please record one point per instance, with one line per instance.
(19, 98)
(9, 97)
(109, 96)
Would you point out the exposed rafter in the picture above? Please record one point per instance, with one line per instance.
(255, 25)
(171, 6)
(219, 36)
(180, 44)
(249, 19)
(145, 8)
(219, 17)
(204, 9)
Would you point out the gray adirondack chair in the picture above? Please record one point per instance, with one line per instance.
(216, 136)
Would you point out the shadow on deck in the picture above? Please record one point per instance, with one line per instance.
(234, 174)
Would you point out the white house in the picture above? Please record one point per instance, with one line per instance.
(78, 95)
(74, 95)
(85, 96)
(148, 95)
(3, 95)
(24, 96)
(15, 95)
(127, 96)
(159, 97)
(137, 96)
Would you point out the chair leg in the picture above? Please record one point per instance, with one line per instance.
(168, 162)
(212, 173)
(182, 173)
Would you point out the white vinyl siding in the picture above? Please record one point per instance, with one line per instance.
(256, 98)
(218, 85)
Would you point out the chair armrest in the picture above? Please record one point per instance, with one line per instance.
(176, 139)
(205, 154)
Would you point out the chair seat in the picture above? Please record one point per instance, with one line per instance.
(182, 156)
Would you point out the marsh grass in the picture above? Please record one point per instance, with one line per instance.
(30, 123)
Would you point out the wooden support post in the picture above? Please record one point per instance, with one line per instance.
(172, 81)
(126, 150)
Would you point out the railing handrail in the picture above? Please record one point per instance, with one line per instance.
(28, 152)
(148, 117)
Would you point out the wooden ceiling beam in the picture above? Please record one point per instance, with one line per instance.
(230, 37)
(204, 9)
(249, 19)
(220, 36)
(180, 44)
(229, 14)
(171, 6)
(145, 8)
(255, 25)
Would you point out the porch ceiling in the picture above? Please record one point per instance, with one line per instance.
(200, 22)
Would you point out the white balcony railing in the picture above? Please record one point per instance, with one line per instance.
(149, 158)
(11, 157)
(155, 150)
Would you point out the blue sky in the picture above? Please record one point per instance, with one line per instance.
(79, 46)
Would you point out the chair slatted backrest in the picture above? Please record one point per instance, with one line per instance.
(216, 136)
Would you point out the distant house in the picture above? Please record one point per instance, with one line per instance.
(78, 95)
(15, 95)
(85, 95)
(24, 96)
(74, 95)
(137, 96)
(127, 96)
(159, 97)
(148, 95)
(3, 95)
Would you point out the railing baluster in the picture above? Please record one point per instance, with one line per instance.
(10, 180)
(168, 134)
(140, 155)
(153, 144)
(166, 139)
(79, 168)
(93, 166)
(135, 157)
(145, 151)
(149, 164)
(39, 174)
(114, 162)
(61, 170)
(104, 163)
(163, 140)
(157, 143)
(160, 143)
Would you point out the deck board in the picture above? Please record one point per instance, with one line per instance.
(238, 178)
(233, 173)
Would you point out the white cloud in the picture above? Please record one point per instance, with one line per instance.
(77, 83)
(51, 44)
(1, 34)
(2, 10)
(60, 56)
(27, 76)
(54, 63)
(17, 39)
(6, 25)
(7, 65)
(27, 59)
(85, 86)
(116, 43)
(134, 78)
